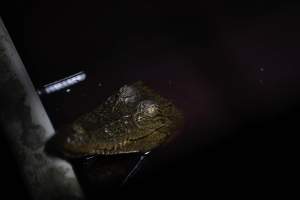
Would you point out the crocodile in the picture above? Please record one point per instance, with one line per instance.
(133, 119)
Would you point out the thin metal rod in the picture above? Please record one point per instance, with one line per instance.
(135, 169)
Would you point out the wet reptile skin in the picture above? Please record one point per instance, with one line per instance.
(134, 119)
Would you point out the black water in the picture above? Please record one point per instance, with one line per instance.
(231, 68)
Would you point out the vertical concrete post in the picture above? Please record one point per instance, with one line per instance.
(27, 128)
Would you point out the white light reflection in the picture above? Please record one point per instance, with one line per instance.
(63, 83)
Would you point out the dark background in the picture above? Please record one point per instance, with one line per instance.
(231, 66)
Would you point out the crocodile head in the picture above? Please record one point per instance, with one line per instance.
(133, 119)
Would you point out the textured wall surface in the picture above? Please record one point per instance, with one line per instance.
(27, 128)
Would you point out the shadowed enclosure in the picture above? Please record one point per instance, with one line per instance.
(232, 68)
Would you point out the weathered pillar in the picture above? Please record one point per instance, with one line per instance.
(27, 128)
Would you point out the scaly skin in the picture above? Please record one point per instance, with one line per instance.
(134, 119)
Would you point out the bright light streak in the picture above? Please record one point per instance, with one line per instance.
(63, 83)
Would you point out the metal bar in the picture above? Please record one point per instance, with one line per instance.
(27, 128)
(62, 83)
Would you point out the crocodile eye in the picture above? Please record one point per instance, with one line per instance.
(145, 114)
(128, 94)
(148, 108)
